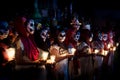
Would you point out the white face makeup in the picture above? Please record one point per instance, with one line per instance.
(3, 34)
(44, 34)
(4, 31)
(77, 36)
(76, 24)
(105, 37)
(111, 34)
(100, 36)
(61, 36)
(30, 26)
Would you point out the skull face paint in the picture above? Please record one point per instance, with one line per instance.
(76, 24)
(30, 26)
(105, 37)
(44, 34)
(100, 36)
(77, 36)
(4, 31)
(61, 36)
(111, 34)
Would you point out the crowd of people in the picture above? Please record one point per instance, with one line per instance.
(63, 51)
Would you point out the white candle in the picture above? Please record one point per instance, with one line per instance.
(73, 50)
(114, 48)
(117, 44)
(96, 51)
(44, 55)
(52, 58)
(10, 53)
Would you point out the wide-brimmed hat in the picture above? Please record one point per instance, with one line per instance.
(75, 22)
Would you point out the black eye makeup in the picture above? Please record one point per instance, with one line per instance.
(62, 35)
(31, 24)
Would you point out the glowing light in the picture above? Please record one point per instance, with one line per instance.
(72, 50)
(114, 48)
(108, 46)
(52, 58)
(45, 55)
(105, 52)
(117, 44)
(96, 51)
(11, 53)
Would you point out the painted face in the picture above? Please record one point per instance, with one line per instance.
(61, 36)
(111, 34)
(30, 26)
(76, 24)
(77, 36)
(4, 34)
(100, 36)
(44, 34)
(4, 31)
(105, 37)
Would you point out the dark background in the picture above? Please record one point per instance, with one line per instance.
(10, 8)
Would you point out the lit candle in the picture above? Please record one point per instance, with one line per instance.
(52, 58)
(89, 50)
(114, 48)
(10, 53)
(44, 55)
(96, 51)
(108, 46)
(117, 44)
(102, 52)
(105, 52)
(73, 50)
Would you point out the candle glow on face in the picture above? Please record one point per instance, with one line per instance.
(71, 50)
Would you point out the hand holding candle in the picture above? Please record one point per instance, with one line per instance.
(72, 50)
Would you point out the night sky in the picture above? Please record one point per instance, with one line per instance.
(88, 7)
